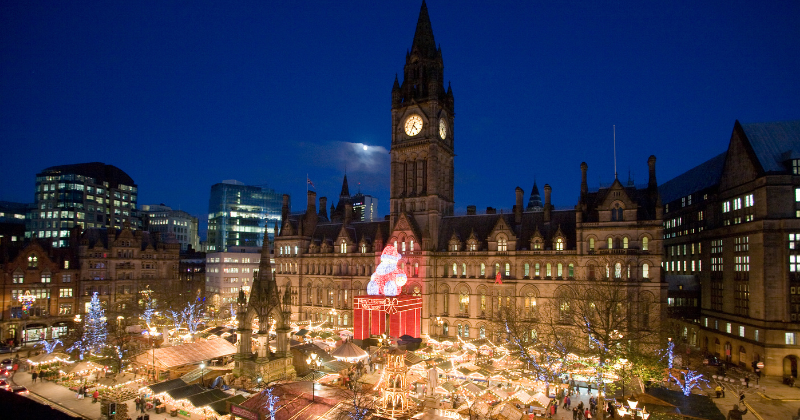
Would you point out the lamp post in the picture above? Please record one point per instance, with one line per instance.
(313, 364)
(202, 373)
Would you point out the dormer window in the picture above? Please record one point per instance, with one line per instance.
(33, 261)
(404, 246)
(472, 245)
(796, 166)
(559, 244)
(363, 248)
(616, 213)
(343, 248)
(502, 243)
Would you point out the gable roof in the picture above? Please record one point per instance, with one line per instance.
(774, 143)
(701, 177)
(483, 224)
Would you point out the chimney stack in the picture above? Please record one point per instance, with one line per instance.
(547, 206)
(518, 206)
(311, 207)
(348, 213)
(651, 163)
(491, 210)
(471, 210)
(323, 209)
(584, 184)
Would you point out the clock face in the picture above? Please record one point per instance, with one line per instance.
(413, 125)
(442, 128)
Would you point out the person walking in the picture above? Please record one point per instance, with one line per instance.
(587, 414)
(575, 413)
(34, 375)
(95, 396)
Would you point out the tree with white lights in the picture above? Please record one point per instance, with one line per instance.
(95, 330)
(271, 403)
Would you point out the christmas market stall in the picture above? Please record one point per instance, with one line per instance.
(178, 360)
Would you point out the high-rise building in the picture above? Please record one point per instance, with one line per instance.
(366, 207)
(174, 225)
(238, 215)
(731, 243)
(12, 222)
(89, 195)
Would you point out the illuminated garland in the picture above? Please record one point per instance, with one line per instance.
(27, 301)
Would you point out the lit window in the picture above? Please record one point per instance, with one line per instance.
(411, 246)
(483, 269)
(591, 244)
(559, 244)
(645, 271)
(508, 269)
(728, 327)
(344, 247)
(527, 269)
(625, 242)
(502, 244)
(791, 339)
(610, 243)
(741, 330)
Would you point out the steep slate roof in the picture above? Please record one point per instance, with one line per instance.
(483, 224)
(95, 235)
(774, 143)
(640, 196)
(701, 177)
(356, 231)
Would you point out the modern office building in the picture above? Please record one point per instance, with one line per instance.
(13, 221)
(176, 225)
(365, 207)
(733, 224)
(89, 195)
(227, 273)
(238, 215)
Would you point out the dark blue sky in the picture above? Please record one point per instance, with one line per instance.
(182, 95)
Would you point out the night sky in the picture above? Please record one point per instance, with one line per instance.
(181, 95)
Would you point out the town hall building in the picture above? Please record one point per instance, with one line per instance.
(467, 268)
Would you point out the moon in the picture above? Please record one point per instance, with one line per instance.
(365, 147)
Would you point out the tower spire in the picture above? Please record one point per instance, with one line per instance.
(423, 36)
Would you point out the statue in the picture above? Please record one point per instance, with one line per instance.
(387, 278)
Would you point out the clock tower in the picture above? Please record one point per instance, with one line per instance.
(422, 137)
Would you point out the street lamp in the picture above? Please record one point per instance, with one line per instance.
(313, 364)
(202, 373)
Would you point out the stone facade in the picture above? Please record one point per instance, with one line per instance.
(732, 224)
(452, 261)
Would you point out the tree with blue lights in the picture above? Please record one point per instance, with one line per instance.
(49, 347)
(271, 403)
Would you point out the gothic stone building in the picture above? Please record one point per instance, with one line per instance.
(452, 261)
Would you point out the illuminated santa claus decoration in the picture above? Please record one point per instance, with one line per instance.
(387, 279)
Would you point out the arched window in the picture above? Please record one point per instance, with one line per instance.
(591, 244)
(645, 271)
(412, 245)
(404, 246)
(463, 302)
(536, 270)
(446, 305)
(295, 250)
(483, 300)
(502, 243)
(483, 269)
(571, 271)
(496, 268)
(560, 270)
(445, 329)
(530, 304)
(645, 243)
(416, 269)
(527, 270)
(625, 242)
(344, 247)
(617, 271)
(363, 248)
(508, 269)
(466, 331)
(559, 244)
(610, 243)
(482, 332)
(455, 269)
(395, 244)
(460, 329)
(463, 270)
(549, 272)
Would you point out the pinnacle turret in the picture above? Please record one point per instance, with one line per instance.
(424, 43)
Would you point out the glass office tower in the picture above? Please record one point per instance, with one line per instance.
(86, 194)
(238, 213)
